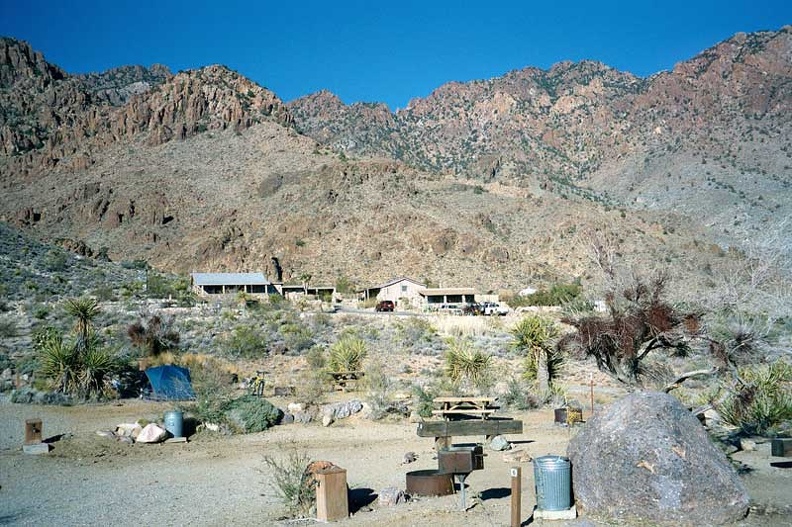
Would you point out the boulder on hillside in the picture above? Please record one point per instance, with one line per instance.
(648, 458)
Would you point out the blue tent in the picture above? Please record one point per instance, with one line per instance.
(170, 383)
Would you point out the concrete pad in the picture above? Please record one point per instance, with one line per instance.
(176, 440)
(567, 514)
(36, 448)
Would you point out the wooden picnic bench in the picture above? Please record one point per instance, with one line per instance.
(443, 431)
(464, 406)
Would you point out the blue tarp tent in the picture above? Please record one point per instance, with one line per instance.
(170, 383)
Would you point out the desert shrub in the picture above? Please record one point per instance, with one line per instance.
(8, 328)
(79, 365)
(312, 386)
(518, 396)
(297, 337)
(764, 404)
(415, 332)
(212, 383)
(246, 342)
(250, 413)
(466, 365)
(316, 358)
(558, 294)
(423, 400)
(76, 367)
(378, 388)
(154, 336)
(293, 484)
(347, 354)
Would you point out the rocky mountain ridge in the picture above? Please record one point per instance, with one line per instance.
(496, 183)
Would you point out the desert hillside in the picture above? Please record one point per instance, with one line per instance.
(497, 184)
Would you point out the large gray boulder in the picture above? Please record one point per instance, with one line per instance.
(647, 458)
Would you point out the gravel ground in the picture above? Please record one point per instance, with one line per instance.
(221, 480)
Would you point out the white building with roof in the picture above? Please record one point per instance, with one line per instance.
(206, 284)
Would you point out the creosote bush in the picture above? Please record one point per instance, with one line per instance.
(294, 486)
(250, 413)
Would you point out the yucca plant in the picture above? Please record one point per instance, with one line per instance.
(347, 354)
(764, 403)
(536, 338)
(463, 363)
(84, 310)
(58, 361)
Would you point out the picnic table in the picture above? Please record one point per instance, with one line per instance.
(462, 406)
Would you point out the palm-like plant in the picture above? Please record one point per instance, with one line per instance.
(84, 310)
(536, 337)
(464, 363)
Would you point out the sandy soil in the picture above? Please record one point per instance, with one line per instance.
(222, 480)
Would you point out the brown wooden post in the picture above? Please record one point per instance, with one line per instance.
(516, 496)
(332, 501)
(33, 431)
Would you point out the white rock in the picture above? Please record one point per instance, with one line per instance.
(327, 420)
(129, 430)
(152, 434)
(295, 408)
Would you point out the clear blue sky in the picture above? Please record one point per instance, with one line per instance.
(379, 51)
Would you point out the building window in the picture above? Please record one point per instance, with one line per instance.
(404, 289)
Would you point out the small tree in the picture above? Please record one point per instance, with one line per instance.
(638, 321)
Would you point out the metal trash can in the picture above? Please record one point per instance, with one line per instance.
(553, 481)
(174, 421)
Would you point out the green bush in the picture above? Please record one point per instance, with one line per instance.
(466, 364)
(557, 295)
(764, 405)
(250, 413)
(246, 342)
(294, 485)
(347, 354)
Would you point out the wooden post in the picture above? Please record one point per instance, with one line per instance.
(591, 385)
(33, 431)
(332, 501)
(516, 496)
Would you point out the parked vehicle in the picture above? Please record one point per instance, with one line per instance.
(450, 309)
(384, 305)
(494, 308)
(472, 309)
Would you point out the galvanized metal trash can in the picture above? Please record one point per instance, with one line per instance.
(553, 481)
(174, 422)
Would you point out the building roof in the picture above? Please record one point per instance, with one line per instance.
(448, 291)
(393, 281)
(229, 279)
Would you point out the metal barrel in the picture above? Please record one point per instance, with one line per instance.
(174, 421)
(553, 481)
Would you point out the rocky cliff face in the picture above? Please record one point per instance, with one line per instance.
(50, 118)
(498, 183)
(566, 121)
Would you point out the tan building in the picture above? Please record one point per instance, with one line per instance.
(403, 292)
